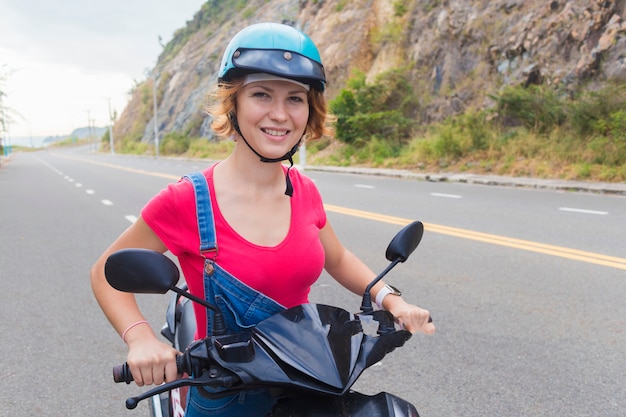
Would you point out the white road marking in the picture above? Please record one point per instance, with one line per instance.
(364, 186)
(90, 191)
(131, 218)
(446, 195)
(107, 202)
(78, 184)
(584, 211)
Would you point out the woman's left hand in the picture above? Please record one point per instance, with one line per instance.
(411, 317)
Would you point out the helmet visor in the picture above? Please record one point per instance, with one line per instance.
(279, 62)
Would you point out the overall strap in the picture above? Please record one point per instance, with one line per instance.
(206, 224)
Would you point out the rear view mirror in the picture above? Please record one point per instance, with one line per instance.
(404, 242)
(141, 271)
(401, 246)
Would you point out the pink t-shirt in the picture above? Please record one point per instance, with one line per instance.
(284, 272)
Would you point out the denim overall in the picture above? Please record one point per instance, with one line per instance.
(242, 308)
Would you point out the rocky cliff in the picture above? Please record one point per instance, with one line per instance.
(458, 51)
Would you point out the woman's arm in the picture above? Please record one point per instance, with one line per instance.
(151, 361)
(353, 274)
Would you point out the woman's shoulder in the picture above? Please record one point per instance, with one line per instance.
(186, 183)
(298, 176)
(207, 173)
(305, 190)
(182, 191)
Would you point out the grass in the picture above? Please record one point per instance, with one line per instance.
(531, 131)
(516, 153)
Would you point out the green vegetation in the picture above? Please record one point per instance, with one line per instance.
(534, 131)
(4, 111)
(212, 11)
(174, 143)
(383, 111)
(400, 8)
(340, 5)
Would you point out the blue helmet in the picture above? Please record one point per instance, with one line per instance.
(276, 49)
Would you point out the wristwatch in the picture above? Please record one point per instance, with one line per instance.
(385, 291)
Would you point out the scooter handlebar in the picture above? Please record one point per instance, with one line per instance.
(122, 373)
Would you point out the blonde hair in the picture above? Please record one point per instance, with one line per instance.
(224, 104)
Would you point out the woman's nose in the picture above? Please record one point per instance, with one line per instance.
(278, 112)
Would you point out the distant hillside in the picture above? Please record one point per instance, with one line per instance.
(457, 53)
(80, 133)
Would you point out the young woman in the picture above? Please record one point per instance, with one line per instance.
(251, 234)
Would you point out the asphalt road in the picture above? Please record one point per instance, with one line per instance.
(526, 286)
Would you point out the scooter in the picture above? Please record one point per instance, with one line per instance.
(309, 356)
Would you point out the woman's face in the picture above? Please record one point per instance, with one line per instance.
(272, 115)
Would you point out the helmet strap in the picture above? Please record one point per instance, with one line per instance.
(286, 157)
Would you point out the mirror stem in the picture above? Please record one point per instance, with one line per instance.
(366, 303)
(219, 327)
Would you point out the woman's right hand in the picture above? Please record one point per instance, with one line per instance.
(150, 360)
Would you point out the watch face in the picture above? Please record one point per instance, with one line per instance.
(394, 290)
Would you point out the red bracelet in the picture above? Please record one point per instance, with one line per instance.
(131, 326)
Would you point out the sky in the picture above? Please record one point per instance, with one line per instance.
(64, 61)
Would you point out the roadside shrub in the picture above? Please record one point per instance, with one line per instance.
(478, 130)
(384, 109)
(174, 143)
(448, 142)
(399, 8)
(134, 148)
(537, 108)
(599, 112)
(204, 148)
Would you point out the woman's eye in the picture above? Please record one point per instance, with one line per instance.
(296, 99)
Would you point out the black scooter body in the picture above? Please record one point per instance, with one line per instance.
(310, 355)
(180, 329)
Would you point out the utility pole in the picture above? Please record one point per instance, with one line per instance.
(4, 136)
(5, 143)
(111, 121)
(302, 155)
(156, 123)
(93, 135)
(89, 128)
(155, 76)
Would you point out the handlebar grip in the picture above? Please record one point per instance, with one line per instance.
(121, 373)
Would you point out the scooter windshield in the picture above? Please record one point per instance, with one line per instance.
(322, 347)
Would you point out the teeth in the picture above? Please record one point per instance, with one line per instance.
(275, 132)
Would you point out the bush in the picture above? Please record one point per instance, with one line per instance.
(133, 148)
(399, 8)
(174, 143)
(383, 110)
(537, 108)
(204, 148)
(599, 112)
(448, 142)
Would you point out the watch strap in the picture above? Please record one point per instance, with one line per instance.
(383, 292)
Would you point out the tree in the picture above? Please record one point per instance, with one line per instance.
(3, 122)
(3, 111)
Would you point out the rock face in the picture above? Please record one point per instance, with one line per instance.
(458, 51)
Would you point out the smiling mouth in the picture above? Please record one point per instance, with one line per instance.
(274, 132)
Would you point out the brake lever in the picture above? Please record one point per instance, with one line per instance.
(208, 378)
